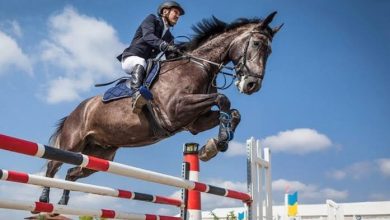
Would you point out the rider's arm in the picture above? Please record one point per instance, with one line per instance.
(148, 27)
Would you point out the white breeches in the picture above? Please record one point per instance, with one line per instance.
(129, 63)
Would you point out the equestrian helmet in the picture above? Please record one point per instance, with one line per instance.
(170, 4)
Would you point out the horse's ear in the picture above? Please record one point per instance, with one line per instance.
(275, 30)
(268, 20)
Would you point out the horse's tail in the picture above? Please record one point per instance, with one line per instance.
(54, 138)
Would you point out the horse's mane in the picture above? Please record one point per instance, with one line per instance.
(212, 26)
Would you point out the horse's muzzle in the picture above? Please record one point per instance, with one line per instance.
(248, 84)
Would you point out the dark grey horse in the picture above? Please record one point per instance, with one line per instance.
(183, 98)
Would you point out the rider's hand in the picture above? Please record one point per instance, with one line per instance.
(171, 48)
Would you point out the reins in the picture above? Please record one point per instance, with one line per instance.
(236, 68)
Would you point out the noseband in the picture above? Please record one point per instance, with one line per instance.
(244, 57)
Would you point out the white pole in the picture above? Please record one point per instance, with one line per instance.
(26, 178)
(286, 217)
(253, 187)
(259, 163)
(259, 180)
(268, 184)
(68, 210)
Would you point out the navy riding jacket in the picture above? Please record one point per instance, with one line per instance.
(147, 40)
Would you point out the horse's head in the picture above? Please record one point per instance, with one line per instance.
(249, 52)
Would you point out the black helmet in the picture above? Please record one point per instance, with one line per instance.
(170, 4)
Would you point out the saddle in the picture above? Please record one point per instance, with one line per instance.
(123, 90)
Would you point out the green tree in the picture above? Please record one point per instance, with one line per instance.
(85, 218)
(215, 217)
(231, 216)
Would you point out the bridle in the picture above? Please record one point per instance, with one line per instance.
(238, 68)
(244, 57)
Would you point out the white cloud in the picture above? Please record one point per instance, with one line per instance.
(236, 149)
(355, 171)
(309, 192)
(80, 50)
(337, 174)
(285, 185)
(12, 56)
(360, 169)
(384, 166)
(334, 194)
(382, 196)
(297, 141)
(67, 89)
(11, 28)
(16, 29)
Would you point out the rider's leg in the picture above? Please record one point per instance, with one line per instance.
(135, 66)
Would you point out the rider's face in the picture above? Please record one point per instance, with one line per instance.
(173, 16)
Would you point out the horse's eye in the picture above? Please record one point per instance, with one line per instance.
(256, 43)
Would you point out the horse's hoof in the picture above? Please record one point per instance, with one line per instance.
(236, 118)
(64, 200)
(44, 199)
(208, 151)
(223, 146)
(45, 195)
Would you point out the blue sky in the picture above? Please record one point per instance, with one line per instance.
(323, 110)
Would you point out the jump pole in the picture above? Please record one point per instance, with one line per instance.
(193, 201)
(69, 210)
(259, 180)
(47, 152)
(20, 177)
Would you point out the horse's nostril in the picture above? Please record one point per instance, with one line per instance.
(251, 86)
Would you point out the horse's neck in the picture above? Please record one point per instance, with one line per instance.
(216, 49)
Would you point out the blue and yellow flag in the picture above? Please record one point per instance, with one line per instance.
(292, 204)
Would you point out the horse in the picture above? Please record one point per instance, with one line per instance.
(183, 97)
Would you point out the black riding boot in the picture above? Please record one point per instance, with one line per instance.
(137, 77)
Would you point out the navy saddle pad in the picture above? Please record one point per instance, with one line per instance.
(121, 90)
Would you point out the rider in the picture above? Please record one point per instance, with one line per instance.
(152, 37)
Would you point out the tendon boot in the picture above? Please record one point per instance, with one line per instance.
(226, 132)
(137, 77)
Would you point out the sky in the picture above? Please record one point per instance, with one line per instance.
(323, 109)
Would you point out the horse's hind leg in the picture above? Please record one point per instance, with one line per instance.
(52, 168)
(66, 141)
(76, 173)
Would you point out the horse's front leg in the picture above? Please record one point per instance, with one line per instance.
(226, 118)
(210, 120)
(228, 123)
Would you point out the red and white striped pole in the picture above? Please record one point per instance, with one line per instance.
(190, 153)
(69, 210)
(94, 163)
